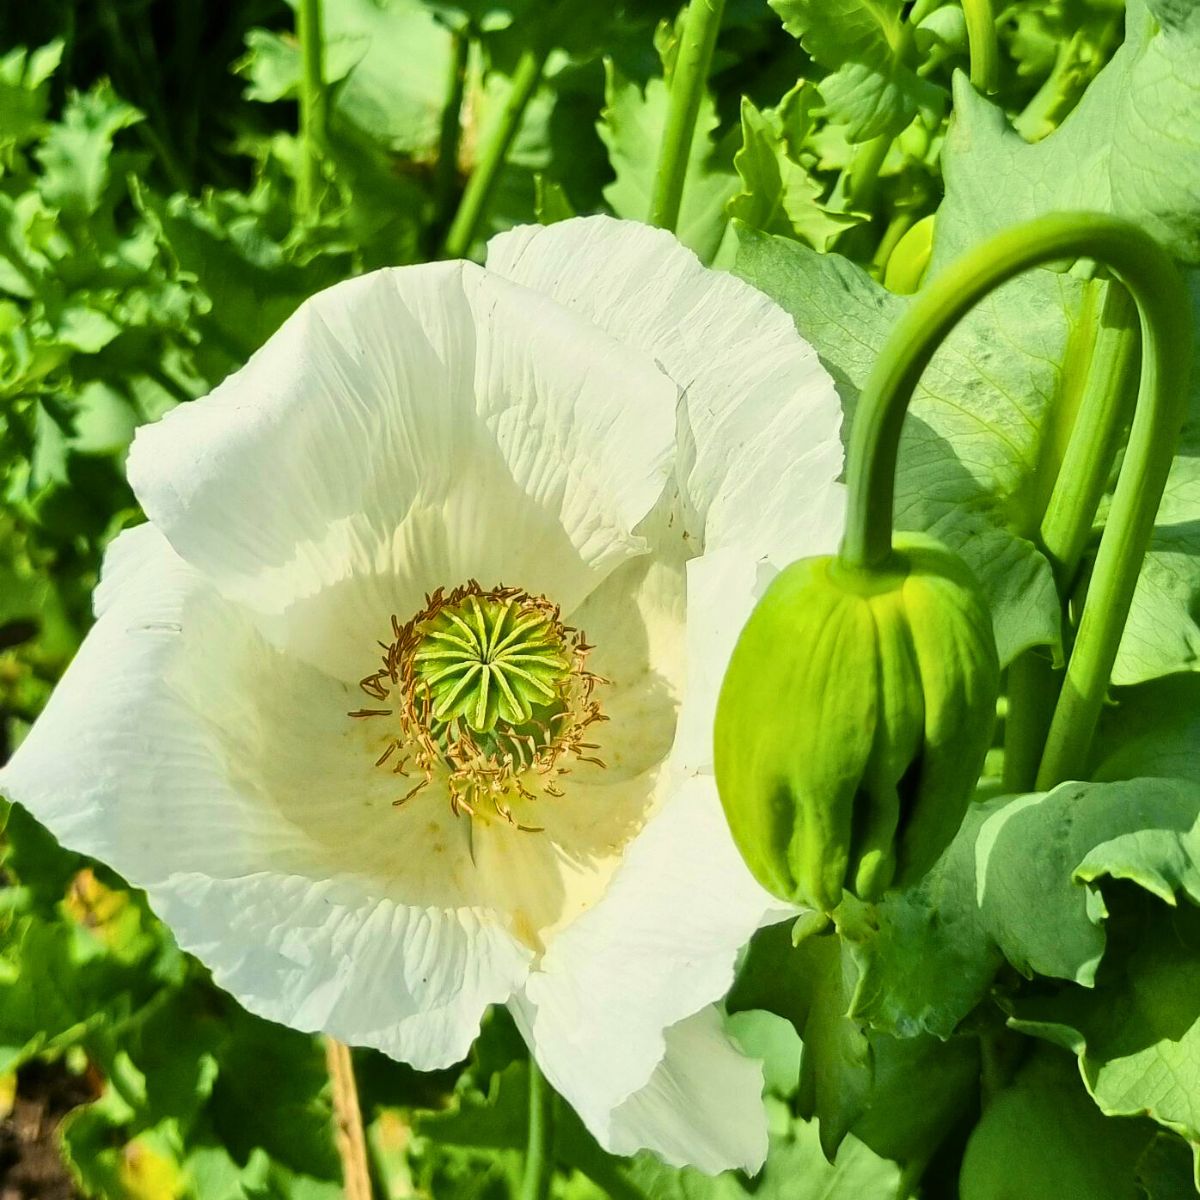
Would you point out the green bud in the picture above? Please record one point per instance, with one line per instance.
(853, 722)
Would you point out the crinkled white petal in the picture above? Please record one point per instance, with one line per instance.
(702, 1106)
(200, 764)
(658, 946)
(411, 429)
(759, 437)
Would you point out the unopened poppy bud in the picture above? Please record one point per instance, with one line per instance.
(853, 722)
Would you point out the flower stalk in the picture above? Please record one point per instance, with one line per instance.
(539, 1150)
(314, 101)
(472, 208)
(347, 1118)
(1154, 284)
(981, 40)
(701, 24)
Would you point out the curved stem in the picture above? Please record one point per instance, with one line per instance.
(1145, 269)
(473, 206)
(981, 38)
(348, 1126)
(701, 24)
(313, 103)
(539, 1154)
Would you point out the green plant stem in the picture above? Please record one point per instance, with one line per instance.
(445, 175)
(539, 1150)
(900, 223)
(1145, 269)
(981, 38)
(1104, 410)
(1082, 475)
(313, 101)
(864, 172)
(701, 23)
(1033, 689)
(473, 206)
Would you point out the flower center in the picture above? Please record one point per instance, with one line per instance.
(491, 691)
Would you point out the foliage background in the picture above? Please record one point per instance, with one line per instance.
(970, 1040)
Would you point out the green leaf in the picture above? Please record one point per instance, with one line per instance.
(1152, 729)
(551, 203)
(271, 63)
(1018, 885)
(974, 438)
(796, 1169)
(25, 94)
(778, 194)
(867, 47)
(1042, 1138)
(1137, 1033)
(631, 126)
(900, 1097)
(1131, 147)
(76, 153)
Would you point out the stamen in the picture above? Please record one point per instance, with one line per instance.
(490, 691)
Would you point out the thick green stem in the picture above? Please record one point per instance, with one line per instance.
(473, 206)
(1145, 269)
(313, 102)
(1081, 478)
(539, 1151)
(981, 38)
(701, 24)
(1032, 690)
(864, 172)
(1104, 411)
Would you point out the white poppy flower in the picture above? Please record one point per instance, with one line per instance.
(400, 705)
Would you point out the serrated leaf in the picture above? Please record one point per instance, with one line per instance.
(25, 93)
(1131, 147)
(778, 194)
(866, 46)
(76, 152)
(631, 126)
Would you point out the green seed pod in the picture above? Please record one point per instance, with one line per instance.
(853, 722)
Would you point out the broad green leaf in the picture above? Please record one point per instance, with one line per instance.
(898, 1096)
(1018, 884)
(1165, 1169)
(1131, 147)
(631, 126)
(867, 48)
(1137, 1033)
(1043, 1138)
(1151, 729)
(970, 457)
(778, 194)
(796, 1169)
